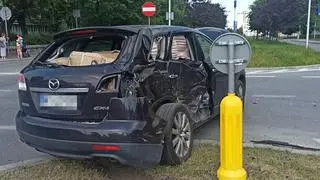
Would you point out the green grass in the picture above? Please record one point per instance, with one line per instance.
(261, 164)
(277, 54)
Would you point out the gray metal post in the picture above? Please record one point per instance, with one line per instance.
(7, 35)
(235, 17)
(169, 9)
(231, 68)
(308, 25)
(76, 22)
(149, 21)
(315, 25)
(6, 25)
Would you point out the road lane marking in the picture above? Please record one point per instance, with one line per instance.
(317, 140)
(6, 90)
(282, 71)
(258, 76)
(10, 128)
(273, 96)
(255, 72)
(311, 77)
(9, 73)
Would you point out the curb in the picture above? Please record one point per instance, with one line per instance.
(196, 142)
(199, 142)
(287, 67)
(24, 163)
(303, 40)
(15, 60)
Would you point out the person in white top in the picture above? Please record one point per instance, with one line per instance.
(3, 46)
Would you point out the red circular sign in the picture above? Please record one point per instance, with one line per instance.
(149, 9)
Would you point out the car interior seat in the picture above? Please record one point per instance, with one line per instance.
(79, 58)
(180, 48)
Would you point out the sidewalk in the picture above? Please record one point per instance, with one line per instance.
(12, 57)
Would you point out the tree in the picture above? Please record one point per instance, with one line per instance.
(206, 14)
(240, 31)
(20, 11)
(272, 16)
(57, 14)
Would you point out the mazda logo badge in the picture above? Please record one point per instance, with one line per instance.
(54, 84)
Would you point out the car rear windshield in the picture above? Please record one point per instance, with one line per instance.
(85, 51)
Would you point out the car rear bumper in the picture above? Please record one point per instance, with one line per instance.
(58, 139)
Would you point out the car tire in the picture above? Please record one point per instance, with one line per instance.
(241, 91)
(178, 135)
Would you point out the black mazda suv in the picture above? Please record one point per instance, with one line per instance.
(130, 93)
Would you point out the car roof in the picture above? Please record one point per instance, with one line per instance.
(211, 29)
(212, 32)
(156, 29)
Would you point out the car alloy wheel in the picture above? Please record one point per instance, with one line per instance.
(181, 132)
(178, 135)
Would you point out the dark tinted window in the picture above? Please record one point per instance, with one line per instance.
(205, 45)
(99, 45)
(213, 33)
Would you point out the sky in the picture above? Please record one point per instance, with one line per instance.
(243, 5)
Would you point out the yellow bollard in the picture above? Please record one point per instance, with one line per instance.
(231, 165)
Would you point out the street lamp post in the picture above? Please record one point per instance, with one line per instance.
(235, 16)
(308, 25)
(169, 14)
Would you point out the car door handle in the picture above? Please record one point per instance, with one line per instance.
(173, 76)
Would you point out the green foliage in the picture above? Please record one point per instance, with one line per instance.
(38, 38)
(277, 16)
(276, 54)
(207, 14)
(240, 31)
(58, 16)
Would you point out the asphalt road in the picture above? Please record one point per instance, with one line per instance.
(281, 107)
(11, 149)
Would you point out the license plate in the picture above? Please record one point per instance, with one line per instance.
(58, 101)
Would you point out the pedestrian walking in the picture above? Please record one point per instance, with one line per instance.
(19, 44)
(3, 46)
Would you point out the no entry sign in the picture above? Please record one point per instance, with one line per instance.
(148, 9)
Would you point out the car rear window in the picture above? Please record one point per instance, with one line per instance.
(85, 51)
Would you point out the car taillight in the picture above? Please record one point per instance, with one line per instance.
(84, 32)
(109, 84)
(105, 148)
(22, 83)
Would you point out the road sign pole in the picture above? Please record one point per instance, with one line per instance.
(308, 25)
(6, 26)
(149, 21)
(231, 69)
(7, 35)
